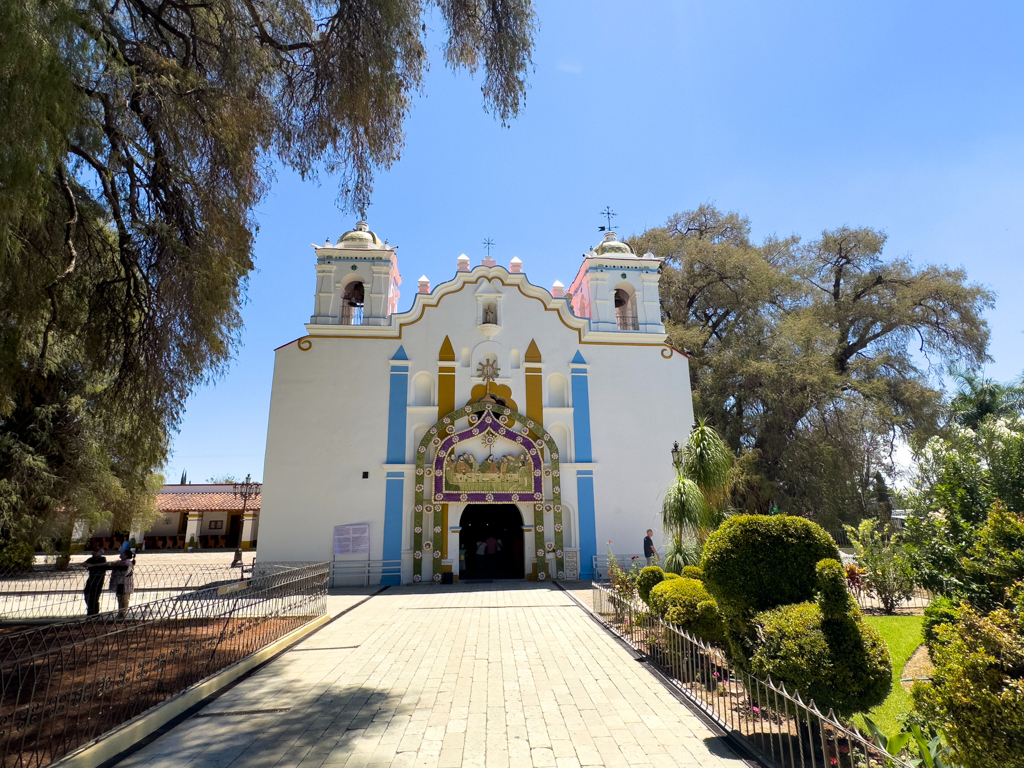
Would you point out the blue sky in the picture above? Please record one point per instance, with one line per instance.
(907, 117)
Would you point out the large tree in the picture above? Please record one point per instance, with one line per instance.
(136, 137)
(811, 359)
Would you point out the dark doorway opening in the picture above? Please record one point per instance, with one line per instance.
(499, 528)
(234, 531)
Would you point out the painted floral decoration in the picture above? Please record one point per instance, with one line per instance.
(418, 529)
(558, 554)
(540, 553)
(540, 528)
(462, 497)
(515, 497)
(561, 574)
(436, 553)
(416, 577)
(489, 497)
(423, 449)
(419, 507)
(437, 577)
(549, 547)
(428, 545)
(419, 470)
(542, 576)
(558, 526)
(437, 529)
(417, 554)
(419, 489)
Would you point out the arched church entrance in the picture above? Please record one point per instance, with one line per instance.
(492, 537)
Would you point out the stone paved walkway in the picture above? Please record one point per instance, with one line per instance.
(510, 675)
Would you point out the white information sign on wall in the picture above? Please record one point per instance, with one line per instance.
(352, 539)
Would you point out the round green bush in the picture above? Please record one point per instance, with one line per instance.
(693, 572)
(649, 577)
(687, 604)
(670, 575)
(840, 663)
(16, 556)
(753, 562)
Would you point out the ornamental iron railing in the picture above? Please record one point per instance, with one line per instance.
(44, 592)
(65, 684)
(627, 322)
(773, 723)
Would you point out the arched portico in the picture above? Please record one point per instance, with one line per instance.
(519, 475)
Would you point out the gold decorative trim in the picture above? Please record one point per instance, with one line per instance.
(308, 343)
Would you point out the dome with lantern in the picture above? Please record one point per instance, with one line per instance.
(612, 246)
(360, 237)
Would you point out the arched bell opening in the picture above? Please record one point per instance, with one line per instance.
(624, 300)
(491, 535)
(352, 303)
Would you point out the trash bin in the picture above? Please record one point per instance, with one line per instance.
(446, 578)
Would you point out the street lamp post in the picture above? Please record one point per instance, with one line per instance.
(246, 490)
(677, 456)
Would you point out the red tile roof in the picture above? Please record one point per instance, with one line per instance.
(209, 501)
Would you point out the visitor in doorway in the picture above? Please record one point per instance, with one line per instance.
(649, 551)
(97, 565)
(480, 563)
(492, 556)
(122, 582)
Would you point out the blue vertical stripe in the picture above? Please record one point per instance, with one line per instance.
(588, 526)
(584, 477)
(394, 493)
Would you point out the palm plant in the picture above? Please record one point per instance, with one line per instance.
(696, 504)
(977, 398)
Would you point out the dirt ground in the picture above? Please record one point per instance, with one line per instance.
(918, 667)
(62, 687)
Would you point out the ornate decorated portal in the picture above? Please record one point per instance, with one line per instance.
(486, 452)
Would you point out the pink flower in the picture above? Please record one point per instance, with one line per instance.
(756, 710)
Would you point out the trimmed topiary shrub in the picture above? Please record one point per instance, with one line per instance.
(838, 662)
(692, 572)
(753, 563)
(16, 556)
(649, 578)
(941, 610)
(670, 575)
(688, 605)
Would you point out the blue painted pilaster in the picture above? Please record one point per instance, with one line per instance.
(584, 455)
(394, 493)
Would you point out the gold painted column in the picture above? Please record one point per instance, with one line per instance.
(248, 529)
(445, 379)
(534, 384)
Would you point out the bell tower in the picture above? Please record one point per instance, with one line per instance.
(618, 290)
(357, 280)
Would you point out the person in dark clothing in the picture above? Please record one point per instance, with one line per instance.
(94, 582)
(649, 551)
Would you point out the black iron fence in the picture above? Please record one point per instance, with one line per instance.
(776, 724)
(65, 684)
(44, 592)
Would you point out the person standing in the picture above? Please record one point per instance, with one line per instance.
(122, 581)
(97, 567)
(649, 551)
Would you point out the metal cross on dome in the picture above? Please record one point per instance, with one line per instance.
(608, 213)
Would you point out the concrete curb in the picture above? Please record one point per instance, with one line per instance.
(127, 735)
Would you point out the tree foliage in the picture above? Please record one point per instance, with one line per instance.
(136, 139)
(808, 356)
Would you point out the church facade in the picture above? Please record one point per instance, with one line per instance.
(494, 430)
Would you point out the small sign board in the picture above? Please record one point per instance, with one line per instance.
(229, 589)
(352, 539)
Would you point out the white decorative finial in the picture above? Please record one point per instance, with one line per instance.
(463, 263)
(516, 265)
(558, 290)
(424, 283)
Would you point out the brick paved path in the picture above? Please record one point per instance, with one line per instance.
(510, 675)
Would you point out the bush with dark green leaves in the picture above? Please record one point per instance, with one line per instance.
(649, 578)
(823, 649)
(941, 610)
(687, 604)
(753, 563)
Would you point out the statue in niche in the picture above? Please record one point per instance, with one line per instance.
(490, 314)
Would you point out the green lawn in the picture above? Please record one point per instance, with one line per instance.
(902, 634)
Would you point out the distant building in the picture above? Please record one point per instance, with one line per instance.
(211, 513)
